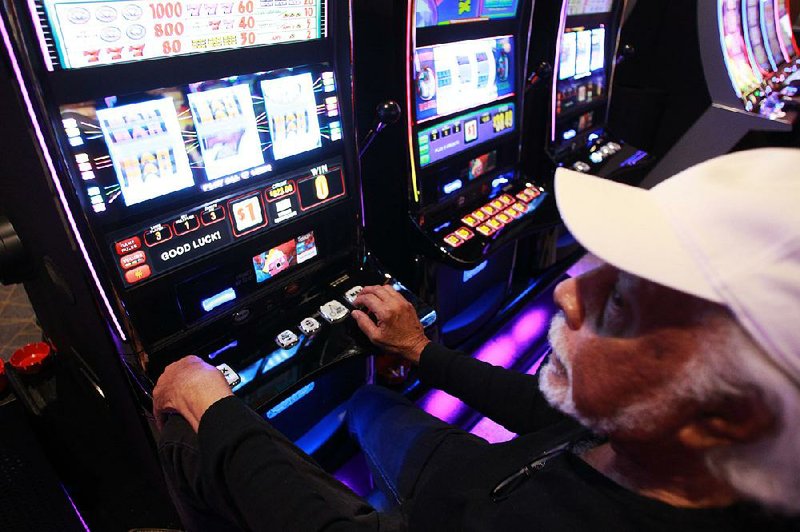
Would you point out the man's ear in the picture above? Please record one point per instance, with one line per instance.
(727, 421)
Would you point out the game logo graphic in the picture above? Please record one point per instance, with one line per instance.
(284, 257)
(443, 12)
(146, 147)
(292, 110)
(226, 129)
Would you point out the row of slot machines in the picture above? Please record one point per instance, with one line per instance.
(185, 177)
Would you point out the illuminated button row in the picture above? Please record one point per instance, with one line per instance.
(493, 216)
(332, 312)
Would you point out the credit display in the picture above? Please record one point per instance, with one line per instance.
(465, 132)
(136, 151)
(102, 32)
(444, 12)
(460, 75)
(589, 7)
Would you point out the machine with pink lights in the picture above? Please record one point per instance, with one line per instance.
(446, 200)
(733, 80)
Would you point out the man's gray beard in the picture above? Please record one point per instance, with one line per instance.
(637, 416)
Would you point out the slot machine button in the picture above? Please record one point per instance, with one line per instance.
(479, 215)
(286, 339)
(506, 200)
(138, 274)
(453, 240)
(597, 157)
(129, 245)
(470, 220)
(352, 294)
(512, 213)
(231, 377)
(533, 192)
(134, 259)
(309, 326)
(520, 207)
(464, 233)
(581, 166)
(523, 196)
(503, 218)
(614, 147)
(495, 224)
(488, 210)
(497, 204)
(485, 230)
(333, 311)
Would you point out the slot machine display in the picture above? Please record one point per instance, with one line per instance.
(446, 201)
(747, 58)
(203, 161)
(585, 59)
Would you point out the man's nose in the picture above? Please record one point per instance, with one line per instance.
(566, 297)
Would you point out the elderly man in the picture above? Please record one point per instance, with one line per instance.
(677, 365)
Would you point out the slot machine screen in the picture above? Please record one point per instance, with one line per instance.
(582, 80)
(770, 30)
(463, 83)
(91, 33)
(444, 12)
(141, 153)
(589, 7)
(460, 75)
(785, 27)
(754, 38)
(740, 70)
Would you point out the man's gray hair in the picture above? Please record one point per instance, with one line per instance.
(767, 471)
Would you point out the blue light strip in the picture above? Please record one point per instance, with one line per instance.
(215, 354)
(289, 401)
(227, 295)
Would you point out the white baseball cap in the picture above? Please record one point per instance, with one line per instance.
(726, 230)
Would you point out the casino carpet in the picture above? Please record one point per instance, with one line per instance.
(17, 321)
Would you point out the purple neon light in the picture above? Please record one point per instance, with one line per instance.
(504, 350)
(54, 176)
(494, 432)
(74, 507)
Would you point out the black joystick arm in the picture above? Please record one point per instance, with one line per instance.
(386, 114)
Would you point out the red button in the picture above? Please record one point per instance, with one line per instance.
(128, 245)
(138, 274)
(29, 359)
(134, 259)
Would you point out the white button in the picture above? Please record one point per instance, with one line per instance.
(230, 376)
(581, 166)
(309, 326)
(614, 146)
(352, 294)
(596, 157)
(286, 339)
(333, 311)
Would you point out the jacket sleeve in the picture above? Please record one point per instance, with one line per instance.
(509, 398)
(268, 483)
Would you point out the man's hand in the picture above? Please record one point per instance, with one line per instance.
(188, 387)
(398, 329)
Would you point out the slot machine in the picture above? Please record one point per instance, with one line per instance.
(191, 185)
(446, 201)
(732, 77)
(583, 55)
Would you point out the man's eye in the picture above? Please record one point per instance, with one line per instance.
(615, 298)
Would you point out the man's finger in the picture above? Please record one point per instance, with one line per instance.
(366, 325)
(376, 291)
(373, 303)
